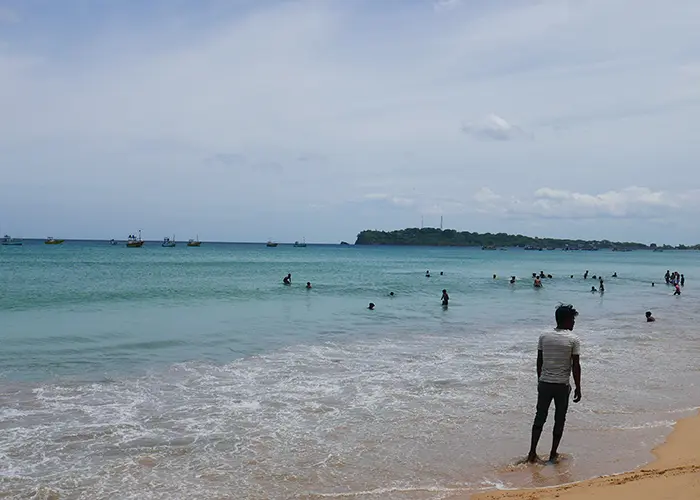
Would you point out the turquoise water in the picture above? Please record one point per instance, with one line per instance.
(193, 372)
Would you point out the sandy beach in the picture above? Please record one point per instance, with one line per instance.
(675, 474)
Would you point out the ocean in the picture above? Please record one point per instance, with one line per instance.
(188, 373)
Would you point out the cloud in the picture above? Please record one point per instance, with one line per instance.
(629, 203)
(398, 201)
(495, 128)
(445, 5)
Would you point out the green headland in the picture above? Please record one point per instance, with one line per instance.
(449, 237)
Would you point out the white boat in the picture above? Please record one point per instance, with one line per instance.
(168, 243)
(10, 241)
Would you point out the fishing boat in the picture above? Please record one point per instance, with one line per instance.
(168, 243)
(10, 241)
(134, 242)
(271, 244)
(52, 241)
(300, 245)
(194, 243)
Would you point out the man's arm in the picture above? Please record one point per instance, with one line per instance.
(576, 368)
(539, 363)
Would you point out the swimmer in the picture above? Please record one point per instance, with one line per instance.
(371, 306)
(650, 318)
(585, 275)
(445, 298)
(427, 274)
(614, 275)
(572, 276)
(678, 289)
(391, 294)
(287, 279)
(512, 280)
(549, 276)
(494, 276)
(652, 283)
(441, 273)
(601, 287)
(308, 285)
(537, 283)
(593, 290)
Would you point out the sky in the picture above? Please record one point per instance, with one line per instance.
(249, 120)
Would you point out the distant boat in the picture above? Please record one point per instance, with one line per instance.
(168, 243)
(9, 241)
(271, 244)
(344, 243)
(194, 243)
(300, 245)
(113, 242)
(52, 241)
(134, 242)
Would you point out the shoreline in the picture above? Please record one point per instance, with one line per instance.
(675, 473)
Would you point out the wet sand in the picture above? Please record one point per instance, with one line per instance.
(675, 474)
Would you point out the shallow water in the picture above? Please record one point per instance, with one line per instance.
(192, 372)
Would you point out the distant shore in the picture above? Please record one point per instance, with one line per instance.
(429, 236)
(674, 474)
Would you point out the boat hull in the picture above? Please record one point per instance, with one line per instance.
(194, 244)
(135, 244)
(12, 244)
(54, 242)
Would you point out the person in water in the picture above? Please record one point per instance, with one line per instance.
(427, 274)
(391, 294)
(593, 290)
(614, 275)
(287, 280)
(308, 285)
(558, 355)
(371, 306)
(537, 283)
(682, 280)
(494, 276)
(678, 289)
(445, 298)
(650, 318)
(585, 275)
(441, 273)
(512, 280)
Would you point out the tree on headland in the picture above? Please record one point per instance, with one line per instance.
(449, 237)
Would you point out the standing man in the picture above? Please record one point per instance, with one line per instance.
(557, 356)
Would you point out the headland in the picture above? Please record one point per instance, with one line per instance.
(429, 236)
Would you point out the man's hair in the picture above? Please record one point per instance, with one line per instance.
(565, 312)
(648, 313)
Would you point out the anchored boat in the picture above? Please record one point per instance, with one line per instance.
(134, 242)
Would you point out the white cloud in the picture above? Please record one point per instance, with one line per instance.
(446, 5)
(629, 203)
(495, 128)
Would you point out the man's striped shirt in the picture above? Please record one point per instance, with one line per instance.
(557, 348)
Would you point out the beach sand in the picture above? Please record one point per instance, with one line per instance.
(675, 474)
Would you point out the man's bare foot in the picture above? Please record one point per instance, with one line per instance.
(532, 458)
(554, 458)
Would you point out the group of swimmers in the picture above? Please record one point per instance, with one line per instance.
(675, 279)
